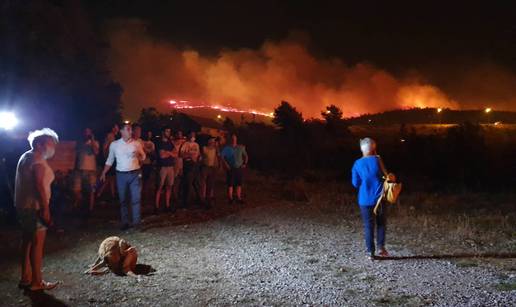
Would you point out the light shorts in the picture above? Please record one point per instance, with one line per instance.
(84, 180)
(166, 176)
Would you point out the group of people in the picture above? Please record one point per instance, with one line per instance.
(175, 170)
(131, 158)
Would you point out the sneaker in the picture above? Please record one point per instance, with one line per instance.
(383, 253)
(370, 256)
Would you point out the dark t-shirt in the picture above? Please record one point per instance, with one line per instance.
(168, 146)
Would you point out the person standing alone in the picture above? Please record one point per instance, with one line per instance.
(128, 154)
(366, 176)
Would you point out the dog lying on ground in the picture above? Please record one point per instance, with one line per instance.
(115, 255)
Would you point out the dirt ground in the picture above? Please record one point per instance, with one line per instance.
(273, 251)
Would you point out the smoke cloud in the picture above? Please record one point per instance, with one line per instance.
(153, 72)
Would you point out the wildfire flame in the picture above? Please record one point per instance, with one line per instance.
(185, 104)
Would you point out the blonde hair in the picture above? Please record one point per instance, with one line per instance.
(41, 136)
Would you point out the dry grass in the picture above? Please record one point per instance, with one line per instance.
(425, 222)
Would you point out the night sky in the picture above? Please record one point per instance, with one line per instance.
(394, 36)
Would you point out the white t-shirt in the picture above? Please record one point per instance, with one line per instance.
(26, 195)
(126, 155)
(86, 156)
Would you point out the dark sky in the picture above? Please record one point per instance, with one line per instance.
(397, 37)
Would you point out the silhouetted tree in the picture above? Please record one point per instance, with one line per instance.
(334, 122)
(287, 117)
(332, 114)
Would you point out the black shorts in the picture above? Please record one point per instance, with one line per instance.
(234, 177)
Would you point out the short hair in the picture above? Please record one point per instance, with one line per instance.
(136, 125)
(41, 136)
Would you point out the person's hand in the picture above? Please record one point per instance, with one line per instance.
(102, 177)
(45, 216)
(391, 177)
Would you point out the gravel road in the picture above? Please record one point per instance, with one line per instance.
(265, 253)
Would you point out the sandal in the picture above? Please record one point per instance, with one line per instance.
(45, 285)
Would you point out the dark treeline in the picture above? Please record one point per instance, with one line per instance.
(460, 158)
(432, 116)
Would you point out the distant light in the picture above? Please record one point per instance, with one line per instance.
(439, 110)
(497, 123)
(402, 140)
(271, 114)
(172, 102)
(370, 120)
(488, 110)
(328, 112)
(219, 116)
(126, 122)
(8, 120)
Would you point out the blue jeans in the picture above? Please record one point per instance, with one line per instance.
(129, 183)
(369, 219)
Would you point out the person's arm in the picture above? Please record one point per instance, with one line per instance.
(223, 154)
(107, 143)
(355, 177)
(95, 146)
(109, 162)
(39, 174)
(245, 156)
(163, 154)
(382, 167)
(140, 152)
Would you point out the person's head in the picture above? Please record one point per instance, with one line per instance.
(137, 131)
(148, 135)
(191, 136)
(179, 134)
(234, 139)
(126, 131)
(44, 141)
(88, 133)
(167, 132)
(368, 147)
(211, 142)
(115, 129)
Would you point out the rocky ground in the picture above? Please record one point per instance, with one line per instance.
(271, 251)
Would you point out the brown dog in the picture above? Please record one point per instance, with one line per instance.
(117, 255)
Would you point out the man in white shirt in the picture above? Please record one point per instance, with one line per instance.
(129, 155)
